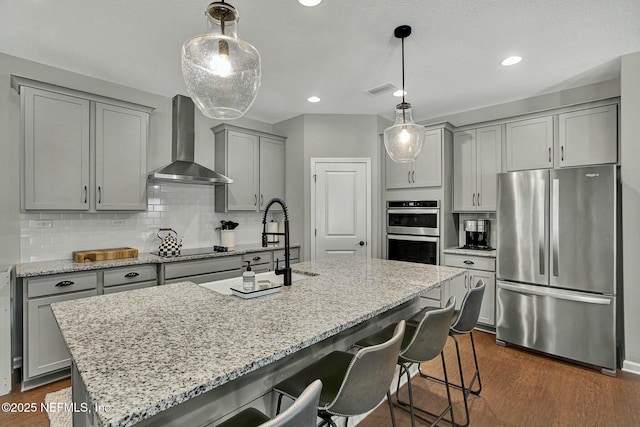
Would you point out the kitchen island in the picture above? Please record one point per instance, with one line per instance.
(182, 354)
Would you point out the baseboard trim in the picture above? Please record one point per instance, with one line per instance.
(631, 367)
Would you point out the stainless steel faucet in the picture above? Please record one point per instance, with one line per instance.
(286, 271)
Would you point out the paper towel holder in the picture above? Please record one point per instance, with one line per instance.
(272, 227)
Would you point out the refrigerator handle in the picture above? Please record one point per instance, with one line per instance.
(542, 196)
(555, 226)
(534, 290)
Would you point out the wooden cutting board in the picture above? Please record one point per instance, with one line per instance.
(104, 254)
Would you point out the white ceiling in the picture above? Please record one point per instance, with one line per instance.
(340, 48)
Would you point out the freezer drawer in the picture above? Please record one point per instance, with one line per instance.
(568, 324)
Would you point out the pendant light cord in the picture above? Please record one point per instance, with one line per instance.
(404, 120)
(403, 70)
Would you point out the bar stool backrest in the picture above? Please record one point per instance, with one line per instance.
(303, 412)
(368, 377)
(469, 310)
(430, 335)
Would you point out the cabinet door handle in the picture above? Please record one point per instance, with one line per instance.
(469, 262)
(64, 283)
(99, 194)
(255, 200)
(132, 274)
(562, 153)
(479, 199)
(261, 200)
(85, 194)
(257, 258)
(474, 199)
(549, 154)
(409, 177)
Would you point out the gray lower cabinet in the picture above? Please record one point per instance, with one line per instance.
(130, 278)
(44, 351)
(278, 257)
(477, 268)
(47, 351)
(260, 261)
(202, 270)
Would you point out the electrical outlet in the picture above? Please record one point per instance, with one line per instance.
(43, 223)
(117, 222)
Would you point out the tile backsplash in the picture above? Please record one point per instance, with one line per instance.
(188, 209)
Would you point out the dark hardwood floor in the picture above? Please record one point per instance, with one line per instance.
(519, 388)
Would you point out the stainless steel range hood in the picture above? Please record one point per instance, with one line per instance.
(183, 168)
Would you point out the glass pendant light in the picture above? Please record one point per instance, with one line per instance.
(403, 141)
(221, 72)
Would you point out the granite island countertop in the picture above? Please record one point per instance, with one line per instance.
(41, 268)
(145, 351)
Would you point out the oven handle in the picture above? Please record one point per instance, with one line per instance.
(412, 238)
(434, 211)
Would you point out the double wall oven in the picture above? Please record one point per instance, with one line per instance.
(413, 231)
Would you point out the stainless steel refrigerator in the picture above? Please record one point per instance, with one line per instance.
(556, 267)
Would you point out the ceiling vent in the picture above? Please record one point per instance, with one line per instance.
(379, 90)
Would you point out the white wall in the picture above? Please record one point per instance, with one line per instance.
(293, 129)
(189, 209)
(630, 159)
(328, 135)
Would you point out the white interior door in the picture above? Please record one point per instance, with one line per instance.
(341, 209)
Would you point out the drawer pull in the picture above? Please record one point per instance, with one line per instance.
(257, 258)
(132, 274)
(466, 261)
(64, 283)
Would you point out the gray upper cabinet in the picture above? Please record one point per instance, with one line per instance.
(529, 144)
(255, 162)
(271, 170)
(476, 163)
(426, 171)
(588, 136)
(56, 150)
(121, 182)
(82, 152)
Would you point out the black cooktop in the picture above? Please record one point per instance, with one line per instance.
(195, 251)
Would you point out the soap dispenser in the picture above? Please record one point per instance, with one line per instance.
(248, 279)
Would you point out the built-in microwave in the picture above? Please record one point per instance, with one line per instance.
(413, 231)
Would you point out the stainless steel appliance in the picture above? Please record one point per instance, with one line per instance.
(557, 262)
(413, 231)
(477, 234)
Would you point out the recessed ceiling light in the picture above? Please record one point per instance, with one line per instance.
(313, 99)
(512, 60)
(398, 93)
(309, 2)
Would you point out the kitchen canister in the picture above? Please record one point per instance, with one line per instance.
(227, 238)
(272, 227)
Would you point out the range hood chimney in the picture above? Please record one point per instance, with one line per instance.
(183, 168)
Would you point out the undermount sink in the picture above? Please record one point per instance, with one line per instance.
(224, 286)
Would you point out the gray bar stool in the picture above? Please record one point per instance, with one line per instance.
(423, 341)
(464, 320)
(303, 412)
(353, 384)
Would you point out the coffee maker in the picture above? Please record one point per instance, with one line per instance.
(477, 234)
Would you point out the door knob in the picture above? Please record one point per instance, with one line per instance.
(361, 243)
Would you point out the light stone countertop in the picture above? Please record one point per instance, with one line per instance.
(144, 351)
(470, 252)
(42, 268)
